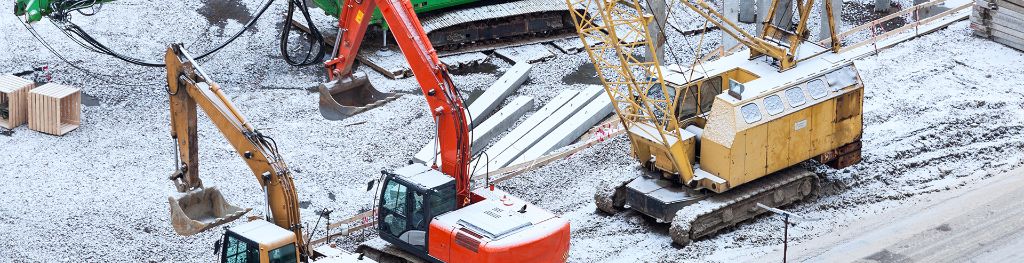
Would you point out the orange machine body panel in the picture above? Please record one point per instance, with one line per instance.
(498, 229)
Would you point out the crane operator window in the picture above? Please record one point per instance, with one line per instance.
(686, 104)
(708, 90)
(656, 95)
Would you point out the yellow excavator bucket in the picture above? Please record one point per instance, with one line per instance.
(202, 209)
(352, 95)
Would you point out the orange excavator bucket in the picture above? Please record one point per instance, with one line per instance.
(352, 95)
(202, 209)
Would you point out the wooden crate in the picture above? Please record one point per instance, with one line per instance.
(13, 98)
(54, 109)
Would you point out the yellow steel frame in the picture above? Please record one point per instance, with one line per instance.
(795, 38)
(628, 79)
(758, 45)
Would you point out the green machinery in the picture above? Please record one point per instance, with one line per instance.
(37, 9)
(331, 8)
(450, 24)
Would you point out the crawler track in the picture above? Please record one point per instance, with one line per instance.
(380, 251)
(718, 211)
(499, 23)
(740, 204)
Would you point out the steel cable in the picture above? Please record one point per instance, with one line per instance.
(61, 18)
(316, 39)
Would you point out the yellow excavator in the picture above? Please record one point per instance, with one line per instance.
(278, 237)
(721, 137)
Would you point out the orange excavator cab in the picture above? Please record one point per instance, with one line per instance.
(431, 213)
(417, 212)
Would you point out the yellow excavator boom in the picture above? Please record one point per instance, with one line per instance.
(201, 208)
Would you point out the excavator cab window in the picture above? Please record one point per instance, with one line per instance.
(418, 218)
(442, 200)
(283, 254)
(407, 208)
(394, 208)
(239, 250)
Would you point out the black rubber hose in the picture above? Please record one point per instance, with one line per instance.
(73, 28)
(316, 39)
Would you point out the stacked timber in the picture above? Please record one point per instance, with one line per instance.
(54, 109)
(1000, 20)
(13, 103)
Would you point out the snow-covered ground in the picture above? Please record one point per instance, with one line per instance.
(940, 112)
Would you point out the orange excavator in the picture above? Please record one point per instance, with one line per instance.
(425, 213)
(431, 213)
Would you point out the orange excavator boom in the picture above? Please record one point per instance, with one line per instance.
(445, 103)
(432, 212)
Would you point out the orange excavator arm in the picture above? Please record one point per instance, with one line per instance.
(352, 24)
(445, 103)
(189, 88)
(437, 228)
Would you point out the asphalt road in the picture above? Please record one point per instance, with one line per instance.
(984, 223)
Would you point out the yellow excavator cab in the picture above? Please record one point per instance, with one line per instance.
(258, 241)
(202, 209)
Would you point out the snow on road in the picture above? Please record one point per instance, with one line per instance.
(940, 112)
(983, 222)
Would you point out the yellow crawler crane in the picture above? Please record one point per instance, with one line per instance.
(727, 134)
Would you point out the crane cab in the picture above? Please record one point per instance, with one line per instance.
(258, 241)
(764, 120)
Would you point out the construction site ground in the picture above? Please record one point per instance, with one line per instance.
(980, 223)
(943, 132)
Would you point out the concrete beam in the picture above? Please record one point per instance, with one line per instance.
(545, 127)
(531, 53)
(783, 14)
(484, 106)
(657, 8)
(880, 5)
(570, 130)
(486, 131)
(762, 15)
(491, 159)
(837, 12)
(747, 10)
(731, 10)
(500, 122)
(931, 10)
